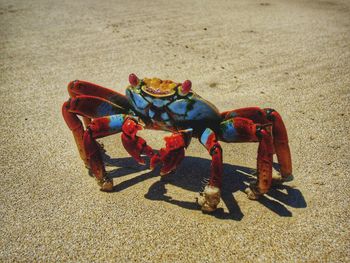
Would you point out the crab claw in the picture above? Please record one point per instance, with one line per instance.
(133, 79)
(171, 155)
(134, 144)
(130, 128)
(171, 161)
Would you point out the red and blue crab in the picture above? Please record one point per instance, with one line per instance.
(170, 106)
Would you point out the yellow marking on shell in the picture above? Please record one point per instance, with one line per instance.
(159, 88)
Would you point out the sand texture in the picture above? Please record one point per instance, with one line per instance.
(293, 56)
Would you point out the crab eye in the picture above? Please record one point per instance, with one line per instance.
(185, 88)
(133, 79)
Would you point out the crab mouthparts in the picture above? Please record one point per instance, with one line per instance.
(157, 91)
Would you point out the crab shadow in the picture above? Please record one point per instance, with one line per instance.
(192, 174)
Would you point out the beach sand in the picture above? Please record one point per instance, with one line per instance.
(293, 56)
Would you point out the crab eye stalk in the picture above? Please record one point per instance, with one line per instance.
(185, 88)
(133, 79)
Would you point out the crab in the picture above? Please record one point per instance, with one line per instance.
(152, 103)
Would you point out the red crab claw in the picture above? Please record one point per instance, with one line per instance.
(171, 155)
(134, 144)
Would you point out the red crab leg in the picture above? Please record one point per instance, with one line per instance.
(94, 107)
(243, 130)
(256, 114)
(134, 144)
(79, 87)
(86, 106)
(173, 153)
(77, 129)
(280, 142)
(105, 126)
(209, 140)
(98, 128)
(264, 162)
(279, 132)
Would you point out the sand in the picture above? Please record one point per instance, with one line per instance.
(293, 56)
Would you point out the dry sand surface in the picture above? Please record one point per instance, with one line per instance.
(293, 56)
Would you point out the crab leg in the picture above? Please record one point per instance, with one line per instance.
(256, 114)
(105, 126)
(211, 195)
(89, 149)
(264, 164)
(280, 142)
(75, 125)
(279, 132)
(89, 107)
(78, 88)
(98, 128)
(94, 107)
(245, 130)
